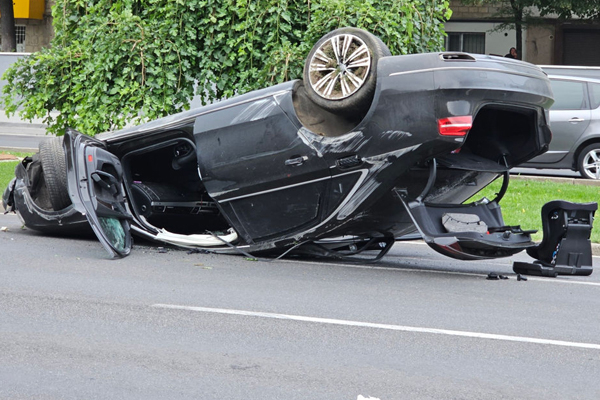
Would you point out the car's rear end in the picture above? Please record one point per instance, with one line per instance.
(467, 119)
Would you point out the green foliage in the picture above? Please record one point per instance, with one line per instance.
(566, 9)
(7, 169)
(7, 172)
(117, 62)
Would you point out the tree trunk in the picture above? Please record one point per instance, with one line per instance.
(518, 15)
(7, 22)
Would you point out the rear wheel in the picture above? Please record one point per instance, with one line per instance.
(52, 156)
(588, 162)
(340, 70)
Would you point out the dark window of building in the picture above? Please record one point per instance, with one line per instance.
(20, 34)
(580, 47)
(471, 42)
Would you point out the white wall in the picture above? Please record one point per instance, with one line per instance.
(496, 42)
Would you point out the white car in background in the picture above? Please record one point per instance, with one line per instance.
(574, 121)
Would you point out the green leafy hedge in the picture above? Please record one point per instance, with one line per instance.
(114, 62)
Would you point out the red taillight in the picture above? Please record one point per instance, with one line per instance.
(455, 126)
(90, 158)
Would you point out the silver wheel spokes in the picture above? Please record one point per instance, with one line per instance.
(339, 67)
(591, 164)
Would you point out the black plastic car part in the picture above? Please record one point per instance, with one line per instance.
(347, 251)
(566, 248)
(465, 231)
(8, 197)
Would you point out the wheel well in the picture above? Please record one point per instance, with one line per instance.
(319, 120)
(580, 148)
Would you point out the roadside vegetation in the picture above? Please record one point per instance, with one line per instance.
(7, 172)
(521, 205)
(7, 168)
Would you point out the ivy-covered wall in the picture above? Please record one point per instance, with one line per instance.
(114, 62)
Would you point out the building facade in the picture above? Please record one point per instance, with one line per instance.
(552, 42)
(33, 24)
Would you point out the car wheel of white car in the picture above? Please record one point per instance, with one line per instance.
(52, 156)
(340, 70)
(588, 162)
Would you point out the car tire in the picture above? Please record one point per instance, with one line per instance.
(588, 162)
(345, 86)
(53, 160)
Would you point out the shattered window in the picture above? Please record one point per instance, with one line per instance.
(113, 231)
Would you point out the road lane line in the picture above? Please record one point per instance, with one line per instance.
(330, 321)
(558, 280)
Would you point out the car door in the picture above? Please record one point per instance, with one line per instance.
(95, 185)
(256, 166)
(569, 117)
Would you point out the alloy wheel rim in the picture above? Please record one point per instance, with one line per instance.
(339, 67)
(591, 164)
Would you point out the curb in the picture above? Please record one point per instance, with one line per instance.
(23, 124)
(554, 179)
(19, 149)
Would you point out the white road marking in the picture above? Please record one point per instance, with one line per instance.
(330, 321)
(558, 280)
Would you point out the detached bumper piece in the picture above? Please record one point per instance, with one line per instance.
(565, 248)
(467, 232)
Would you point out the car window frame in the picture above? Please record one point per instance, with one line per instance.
(591, 94)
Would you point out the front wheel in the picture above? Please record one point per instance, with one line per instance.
(340, 70)
(588, 162)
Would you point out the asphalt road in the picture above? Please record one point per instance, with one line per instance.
(76, 325)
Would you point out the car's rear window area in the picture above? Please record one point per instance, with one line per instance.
(568, 95)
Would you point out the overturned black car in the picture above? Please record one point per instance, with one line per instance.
(367, 148)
